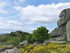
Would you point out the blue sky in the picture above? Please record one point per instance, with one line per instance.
(27, 15)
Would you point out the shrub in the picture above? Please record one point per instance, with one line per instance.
(48, 48)
(40, 34)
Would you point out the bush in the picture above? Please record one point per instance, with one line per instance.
(40, 34)
(14, 40)
(48, 48)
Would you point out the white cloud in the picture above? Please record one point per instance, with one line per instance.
(32, 17)
(10, 25)
(42, 13)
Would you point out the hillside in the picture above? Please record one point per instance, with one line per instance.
(48, 48)
(13, 37)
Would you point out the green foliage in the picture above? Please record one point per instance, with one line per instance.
(30, 38)
(12, 34)
(14, 37)
(40, 34)
(14, 40)
(3, 38)
(17, 37)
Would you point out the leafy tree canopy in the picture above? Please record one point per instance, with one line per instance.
(40, 34)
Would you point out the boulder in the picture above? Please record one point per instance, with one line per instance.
(14, 50)
(68, 30)
(25, 42)
(36, 43)
(59, 31)
(64, 17)
(63, 29)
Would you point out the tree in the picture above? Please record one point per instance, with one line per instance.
(12, 34)
(30, 39)
(40, 34)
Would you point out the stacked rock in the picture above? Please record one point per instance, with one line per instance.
(63, 29)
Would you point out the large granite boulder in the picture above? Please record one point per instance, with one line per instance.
(68, 30)
(63, 29)
(64, 17)
(59, 31)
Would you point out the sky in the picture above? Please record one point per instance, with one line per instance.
(27, 15)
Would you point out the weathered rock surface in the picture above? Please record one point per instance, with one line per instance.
(25, 42)
(59, 31)
(64, 17)
(68, 30)
(14, 50)
(63, 29)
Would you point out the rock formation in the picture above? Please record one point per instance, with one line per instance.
(68, 30)
(14, 50)
(63, 30)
